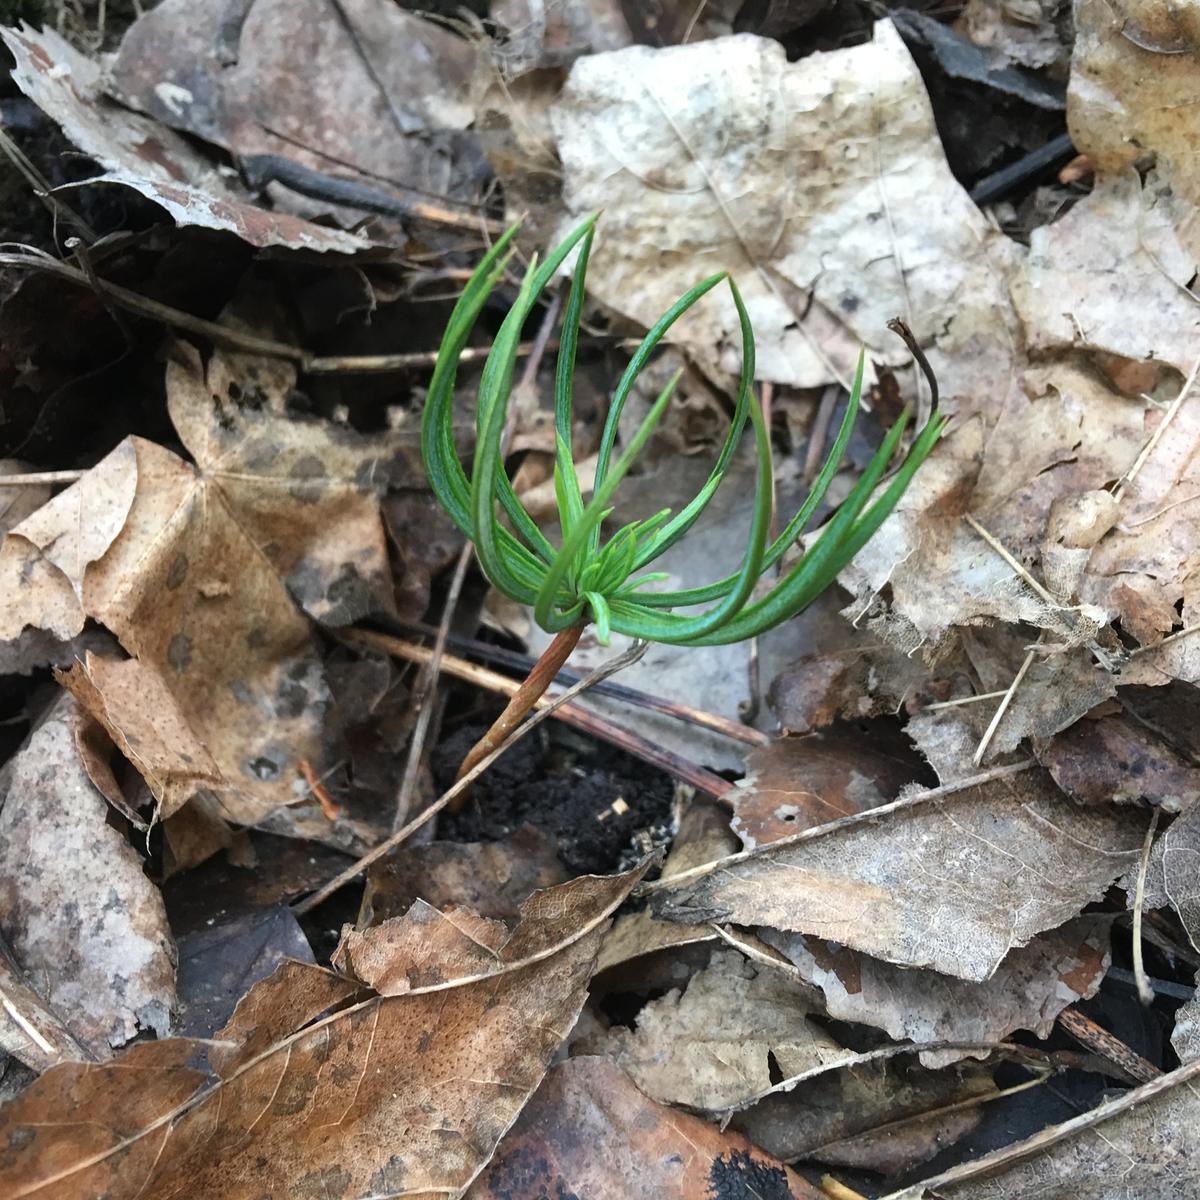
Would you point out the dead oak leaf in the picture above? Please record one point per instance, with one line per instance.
(952, 883)
(320, 1091)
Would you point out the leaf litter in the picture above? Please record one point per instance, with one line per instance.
(961, 839)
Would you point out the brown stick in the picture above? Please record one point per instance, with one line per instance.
(523, 699)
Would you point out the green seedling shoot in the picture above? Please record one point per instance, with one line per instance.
(591, 577)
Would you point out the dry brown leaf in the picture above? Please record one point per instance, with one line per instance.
(431, 948)
(150, 158)
(492, 878)
(589, 1132)
(1132, 235)
(188, 565)
(45, 557)
(953, 883)
(703, 835)
(801, 782)
(366, 87)
(1134, 77)
(722, 155)
(141, 716)
(709, 1046)
(1029, 989)
(304, 491)
(86, 925)
(1116, 758)
(835, 1118)
(391, 1095)
(193, 599)
(1138, 1145)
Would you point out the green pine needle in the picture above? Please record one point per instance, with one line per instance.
(588, 577)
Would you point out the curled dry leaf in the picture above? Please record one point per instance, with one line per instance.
(320, 1091)
(1028, 990)
(722, 155)
(802, 782)
(710, 1045)
(952, 883)
(145, 723)
(845, 1118)
(84, 922)
(589, 1132)
(140, 153)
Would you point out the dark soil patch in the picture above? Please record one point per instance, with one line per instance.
(565, 785)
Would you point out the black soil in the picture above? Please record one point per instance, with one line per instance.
(565, 785)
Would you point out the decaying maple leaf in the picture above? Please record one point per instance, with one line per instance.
(198, 570)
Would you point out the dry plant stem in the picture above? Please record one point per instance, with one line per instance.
(681, 712)
(574, 715)
(1009, 1156)
(1099, 1041)
(41, 478)
(427, 690)
(523, 699)
(223, 335)
(1144, 990)
(355, 869)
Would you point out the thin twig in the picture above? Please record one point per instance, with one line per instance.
(426, 690)
(41, 478)
(1108, 1046)
(964, 700)
(1138, 463)
(388, 844)
(236, 339)
(1001, 709)
(1144, 990)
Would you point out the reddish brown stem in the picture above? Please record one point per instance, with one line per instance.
(524, 698)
